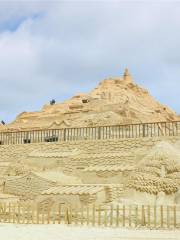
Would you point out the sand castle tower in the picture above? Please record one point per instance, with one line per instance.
(127, 76)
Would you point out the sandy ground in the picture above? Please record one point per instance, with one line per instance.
(63, 232)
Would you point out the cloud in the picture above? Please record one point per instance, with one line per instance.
(56, 49)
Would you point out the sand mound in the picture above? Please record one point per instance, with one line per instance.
(116, 100)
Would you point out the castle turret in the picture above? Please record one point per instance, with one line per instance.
(127, 76)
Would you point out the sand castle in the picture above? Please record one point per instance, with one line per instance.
(114, 145)
(116, 100)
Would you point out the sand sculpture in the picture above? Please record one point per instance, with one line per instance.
(116, 100)
(157, 174)
(140, 169)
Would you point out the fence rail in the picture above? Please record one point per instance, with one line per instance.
(132, 216)
(92, 133)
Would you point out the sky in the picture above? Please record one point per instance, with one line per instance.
(56, 49)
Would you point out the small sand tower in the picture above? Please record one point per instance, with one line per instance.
(127, 76)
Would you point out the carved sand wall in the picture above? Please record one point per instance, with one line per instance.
(88, 162)
(74, 157)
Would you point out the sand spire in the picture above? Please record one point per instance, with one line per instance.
(127, 76)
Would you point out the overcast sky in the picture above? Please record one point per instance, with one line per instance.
(55, 49)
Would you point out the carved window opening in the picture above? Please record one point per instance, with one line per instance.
(85, 101)
(27, 141)
(51, 139)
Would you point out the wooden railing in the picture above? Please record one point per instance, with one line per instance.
(92, 133)
(132, 216)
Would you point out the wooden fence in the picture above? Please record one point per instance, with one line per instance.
(131, 216)
(92, 133)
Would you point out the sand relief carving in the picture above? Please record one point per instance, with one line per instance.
(153, 175)
(128, 172)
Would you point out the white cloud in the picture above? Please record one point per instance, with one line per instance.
(70, 46)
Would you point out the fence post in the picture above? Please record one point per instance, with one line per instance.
(37, 214)
(93, 215)
(143, 216)
(149, 216)
(87, 214)
(49, 214)
(117, 216)
(9, 212)
(99, 215)
(1, 210)
(76, 215)
(174, 211)
(28, 215)
(144, 129)
(33, 210)
(99, 132)
(54, 214)
(161, 214)
(42, 214)
(124, 216)
(111, 215)
(66, 216)
(64, 138)
(23, 214)
(105, 216)
(129, 215)
(4, 212)
(155, 216)
(136, 224)
(82, 215)
(70, 214)
(19, 212)
(59, 213)
(31, 213)
(168, 222)
(14, 212)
